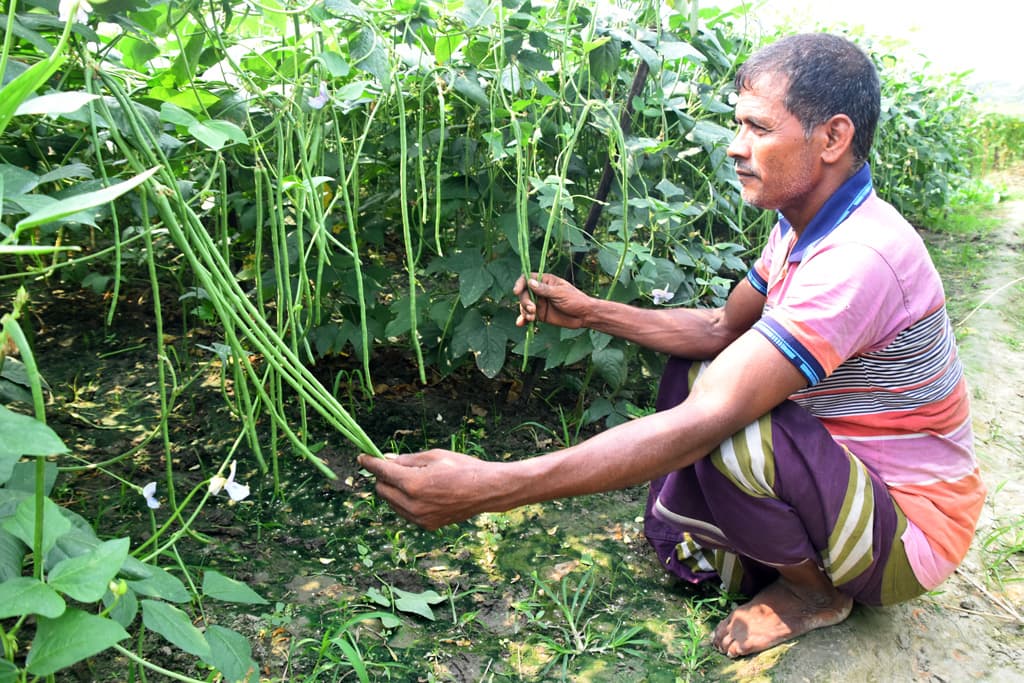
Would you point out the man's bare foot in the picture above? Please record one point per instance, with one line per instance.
(778, 613)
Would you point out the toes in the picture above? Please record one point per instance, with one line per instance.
(723, 636)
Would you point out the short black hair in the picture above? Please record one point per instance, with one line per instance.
(827, 75)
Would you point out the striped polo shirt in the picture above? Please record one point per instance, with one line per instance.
(856, 305)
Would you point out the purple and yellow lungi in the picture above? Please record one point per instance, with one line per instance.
(779, 492)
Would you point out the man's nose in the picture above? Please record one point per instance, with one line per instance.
(738, 147)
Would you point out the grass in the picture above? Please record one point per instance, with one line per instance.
(961, 248)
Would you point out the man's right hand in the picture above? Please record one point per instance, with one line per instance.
(551, 300)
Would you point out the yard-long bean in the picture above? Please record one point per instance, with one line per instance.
(228, 299)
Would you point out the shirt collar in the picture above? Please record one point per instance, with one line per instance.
(834, 211)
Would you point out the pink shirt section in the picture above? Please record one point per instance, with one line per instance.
(861, 312)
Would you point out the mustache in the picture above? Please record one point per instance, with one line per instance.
(746, 170)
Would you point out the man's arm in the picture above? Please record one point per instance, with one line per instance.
(745, 381)
(688, 332)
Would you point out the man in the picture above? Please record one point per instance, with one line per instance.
(862, 487)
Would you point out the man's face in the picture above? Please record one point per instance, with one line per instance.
(777, 165)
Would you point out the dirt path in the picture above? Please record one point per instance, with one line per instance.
(969, 629)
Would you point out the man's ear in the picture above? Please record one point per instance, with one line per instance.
(838, 138)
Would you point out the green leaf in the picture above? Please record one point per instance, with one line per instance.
(124, 609)
(70, 638)
(376, 596)
(610, 363)
(216, 585)
(86, 577)
(161, 584)
(23, 478)
(471, 89)
(8, 460)
(9, 672)
(12, 552)
(230, 653)
(473, 283)
(368, 54)
(27, 595)
(335, 63)
(491, 347)
(55, 103)
(416, 603)
(467, 332)
(23, 435)
(344, 8)
(215, 133)
(18, 90)
(17, 181)
(477, 13)
(172, 113)
(175, 626)
(81, 202)
(23, 523)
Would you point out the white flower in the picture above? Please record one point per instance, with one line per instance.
(78, 8)
(235, 490)
(149, 493)
(662, 296)
(320, 100)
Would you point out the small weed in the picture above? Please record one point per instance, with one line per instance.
(570, 625)
(1003, 549)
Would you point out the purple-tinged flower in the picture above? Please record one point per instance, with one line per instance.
(662, 296)
(320, 100)
(235, 490)
(149, 493)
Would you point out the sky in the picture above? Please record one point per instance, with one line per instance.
(955, 35)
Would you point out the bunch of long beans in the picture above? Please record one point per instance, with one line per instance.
(245, 328)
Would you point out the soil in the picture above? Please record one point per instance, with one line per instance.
(319, 549)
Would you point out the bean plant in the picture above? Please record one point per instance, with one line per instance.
(327, 179)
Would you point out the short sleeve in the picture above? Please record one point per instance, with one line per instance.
(760, 272)
(839, 302)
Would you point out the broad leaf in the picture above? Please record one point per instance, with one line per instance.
(86, 577)
(230, 653)
(216, 585)
(18, 90)
(23, 523)
(172, 113)
(477, 14)
(23, 478)
(610, 363)
(215, 134)
(473, 283)
(490, 347)
(123, 610)
(12, 552)
(7, 460)
(416, 603)
(369, 55)
(55, 103)
(81, 202)
(175, 625)
(26, 595)
(70, 638)
(161, 584)
(23, 435)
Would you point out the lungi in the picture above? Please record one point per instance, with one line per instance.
(778, 492)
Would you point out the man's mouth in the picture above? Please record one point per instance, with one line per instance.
(744, 173)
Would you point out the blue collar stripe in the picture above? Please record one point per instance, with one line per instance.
(850, 195)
